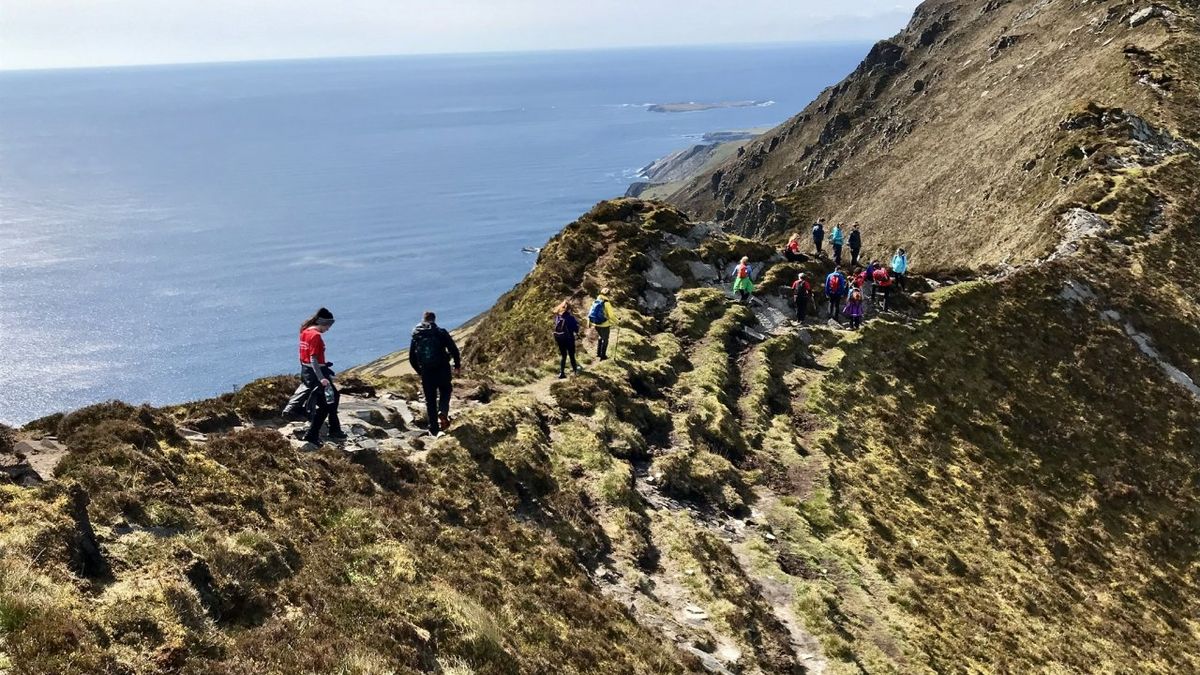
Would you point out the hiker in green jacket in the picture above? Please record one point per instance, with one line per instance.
(602, 319)
(743, 285)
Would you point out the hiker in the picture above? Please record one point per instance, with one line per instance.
(601, 318)
(854, 308)
(836, 238)
(792, 250)
(818, 235)
(900, 267)
(855, 245)
(870, 274)
(835, 290)
(430, 353)
(859, 278)
(883, 283)
(566, 332)
(317, 376)
(801, 290)
(743, 285)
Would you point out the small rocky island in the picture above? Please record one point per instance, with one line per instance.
(697, 107)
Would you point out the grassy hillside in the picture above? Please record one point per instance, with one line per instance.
(998, 475)
(949, 138)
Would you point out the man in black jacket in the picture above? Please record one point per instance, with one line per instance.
(430, 353)
(855, 245)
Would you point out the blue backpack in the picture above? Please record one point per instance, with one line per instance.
(597, 314)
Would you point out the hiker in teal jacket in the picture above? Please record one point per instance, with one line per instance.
(837, 238)
(899, 267)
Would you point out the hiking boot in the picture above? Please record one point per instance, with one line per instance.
(562, 376)
(338, 436)
(309, 446)
(444, 422)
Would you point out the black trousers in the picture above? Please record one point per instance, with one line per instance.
(435, 382)
(602, 333)
(817, 244)
(566, 348)
(837, 253)
(801, 306)
(854, 255)
(835, 304)
(321, 410)
(794, 257)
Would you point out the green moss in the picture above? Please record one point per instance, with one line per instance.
(702, 476)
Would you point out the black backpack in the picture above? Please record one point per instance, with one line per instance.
(428, 348)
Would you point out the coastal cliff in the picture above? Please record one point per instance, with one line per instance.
(997, 474)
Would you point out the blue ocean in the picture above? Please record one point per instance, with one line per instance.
(165, 229)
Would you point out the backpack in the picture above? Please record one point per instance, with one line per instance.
(835, 284)
(597, 313)
(743, 271)
(428, 348)
(560, 325)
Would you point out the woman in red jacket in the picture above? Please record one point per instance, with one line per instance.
(316, 374)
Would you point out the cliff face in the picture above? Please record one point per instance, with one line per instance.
(953, 137)
(998, 474)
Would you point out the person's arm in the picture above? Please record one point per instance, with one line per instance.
(453, 348)
(412, 356)
(319, 369)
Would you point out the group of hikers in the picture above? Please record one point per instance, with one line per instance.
(435, 358)
(432, 353)
(844, 293)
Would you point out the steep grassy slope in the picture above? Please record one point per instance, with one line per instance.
(155, 554)
(949, 137)
(1001, 476)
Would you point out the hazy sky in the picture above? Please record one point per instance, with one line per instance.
(58, 33)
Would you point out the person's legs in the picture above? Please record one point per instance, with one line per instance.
(429, 382)
(571, 353)
(817, 246)
(444, 388)
(801, 307)
(837, 254)
(562, 357)
(295, 404)
(887, 291)
(335, 424)
(602, 342)
(853, 257)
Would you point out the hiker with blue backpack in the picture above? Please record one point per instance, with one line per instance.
(600, 316)
(743, 284)
(566, 332)
(835, 290)
(430, 353)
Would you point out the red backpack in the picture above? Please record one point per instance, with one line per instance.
(835, 284)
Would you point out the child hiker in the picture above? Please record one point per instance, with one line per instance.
(743, 285)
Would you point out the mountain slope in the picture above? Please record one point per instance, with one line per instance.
(950, 137)
(999, 474)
